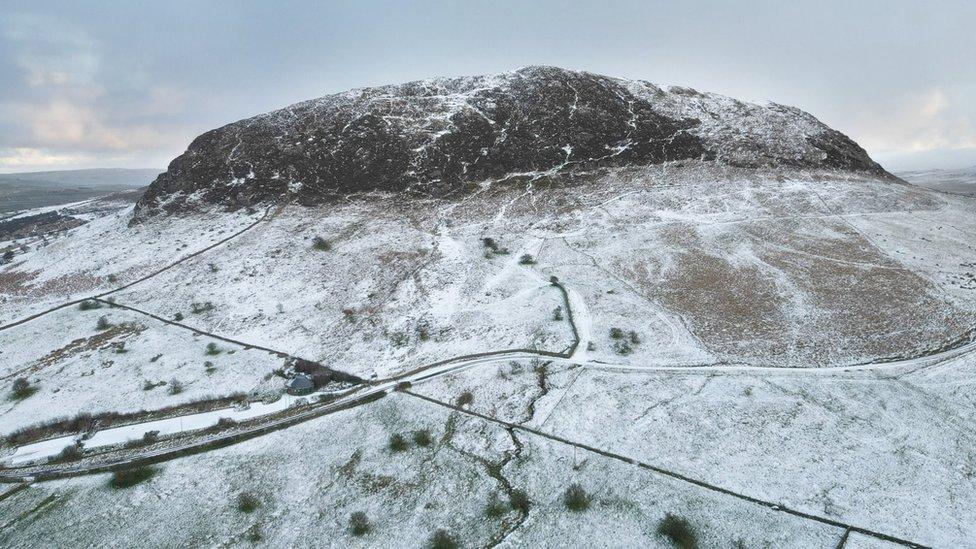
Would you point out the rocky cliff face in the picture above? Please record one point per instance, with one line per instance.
(437, 136)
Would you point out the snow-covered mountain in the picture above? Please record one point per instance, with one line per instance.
(574, 311)
(440, 136)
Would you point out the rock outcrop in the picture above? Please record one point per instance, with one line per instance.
(438, 136)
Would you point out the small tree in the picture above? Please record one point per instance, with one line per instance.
(103, 323)
(358, 524)
(442, 540)
(213, 349)
(527, 259)
(178, 316)
(576, 499)
(8, 256)
(422, 438)
(616, 333)
(175, 386)
(397, 443)
(678, 530)
(89, 304)
(557, 313)
(22, 388)
(321, 244)
(634, 338)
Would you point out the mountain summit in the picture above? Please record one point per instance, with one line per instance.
(436, 136)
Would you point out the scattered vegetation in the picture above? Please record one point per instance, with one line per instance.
(358, 524)
(576, 499)
(557, 313)
(22, 389)
(89, 305)
(212, 349)
(465, 399)
(175, 386)
(398, 443)
(527, 259)
(208, 367)
(616, 333)
(128, 478)
(8, 256)
(442, 540)
(349, 314)
(492, 247)
(321, 244)
(422, 438)
(247, 502)
(200, 308)
(254, 534)
(149, 385)
(678, 530)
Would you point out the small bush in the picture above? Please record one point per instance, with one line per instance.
(442, 540)
(103, 323)
(321, 244)
(71, 452)
(150, 437)
(247, 502)
(209, 367)
(557, 313)
(622, 347)
(576, 499)
(494, 508)
(678, 530)
(422, 438)
(175, 387)
(465, 398)
(527, 259)
(616, 333)
(254, 533)
(398, 443)
(519, 501)
(178, 316)
(212, 349)
(22, 388)
(358, 524)
(349, 314)
(120, 347)
(402, 386)
(634, 338)
(8, 256)
(399, 339)
(89, 304)
(128, 478)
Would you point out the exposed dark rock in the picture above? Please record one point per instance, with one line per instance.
(436, 136)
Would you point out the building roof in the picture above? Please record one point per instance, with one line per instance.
(301, 382)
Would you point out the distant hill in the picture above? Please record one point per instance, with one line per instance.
(22, 191)
(952, 181)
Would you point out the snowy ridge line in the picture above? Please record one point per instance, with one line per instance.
(142, 279)
(193, 447)
(678, 476)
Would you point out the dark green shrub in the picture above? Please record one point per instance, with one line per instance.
(519, 501)
(22, 389)
(527, 259)
(199, 308)
(678, 530)
(358, 524)
(89, 304)
(254, 533)
(128, 478)
(442, 540)
(321, 244)
(557, 313)
(465, 398)
(212, 349)
(397, 443)
(175, 387)
(634, 338)
(103, 323)
(616, 333)
(576, 499)
(247, 502)
(422, 438)
(178, 316)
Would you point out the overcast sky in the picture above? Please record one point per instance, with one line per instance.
(129, 84)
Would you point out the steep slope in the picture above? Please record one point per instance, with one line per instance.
(437, 137)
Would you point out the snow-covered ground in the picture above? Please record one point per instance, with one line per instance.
(731, 325)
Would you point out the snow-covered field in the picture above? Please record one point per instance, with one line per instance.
(782, 297)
